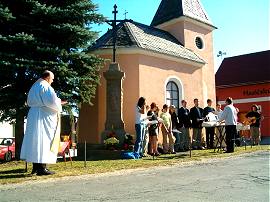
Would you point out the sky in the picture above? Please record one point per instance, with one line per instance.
(243, 25)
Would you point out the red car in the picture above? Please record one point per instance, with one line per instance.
(7, 149)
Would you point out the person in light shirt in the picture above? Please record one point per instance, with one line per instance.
(140, 126)
(229, 115)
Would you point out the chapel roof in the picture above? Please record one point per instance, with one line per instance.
(246, 69)
(134, 34)
(171, 9)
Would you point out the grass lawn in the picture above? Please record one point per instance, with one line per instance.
(14, 172)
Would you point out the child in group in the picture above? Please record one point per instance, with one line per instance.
(153, 129)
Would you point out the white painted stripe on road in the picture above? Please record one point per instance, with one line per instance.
(248, 100)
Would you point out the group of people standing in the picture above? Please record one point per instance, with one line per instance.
(147, 126)
(175, 127)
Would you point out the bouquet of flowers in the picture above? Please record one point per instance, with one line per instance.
(111, 142)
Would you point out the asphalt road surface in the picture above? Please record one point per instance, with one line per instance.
(243, 178)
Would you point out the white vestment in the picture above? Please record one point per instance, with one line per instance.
(42, 121)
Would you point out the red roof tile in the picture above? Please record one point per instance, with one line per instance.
(244, 70)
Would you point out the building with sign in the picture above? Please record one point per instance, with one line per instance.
(165, 62)
(246, 78)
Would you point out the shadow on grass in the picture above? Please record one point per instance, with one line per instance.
(19, 170)
(94, 158)
(100, 155)
(16, 176)
(15, 173)
(176, 156)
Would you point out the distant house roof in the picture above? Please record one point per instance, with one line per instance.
(171, 9)
(247, 69)
(134, 34)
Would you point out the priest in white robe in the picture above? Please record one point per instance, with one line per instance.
(43, 125)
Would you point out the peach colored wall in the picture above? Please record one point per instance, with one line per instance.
(90, 115)
(88, 122)
(131, 89)
(208, 75)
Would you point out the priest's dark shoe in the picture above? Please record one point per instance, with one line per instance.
(35, 168)
(45, 171)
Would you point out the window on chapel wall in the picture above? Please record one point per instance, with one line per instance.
(172, 94)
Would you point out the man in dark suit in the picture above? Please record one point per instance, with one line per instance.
(196, 116)
(184, 125)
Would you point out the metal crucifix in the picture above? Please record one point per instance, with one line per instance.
(113, 24)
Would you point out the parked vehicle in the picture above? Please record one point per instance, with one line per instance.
(7, 149)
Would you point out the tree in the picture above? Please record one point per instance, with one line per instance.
(45, 34)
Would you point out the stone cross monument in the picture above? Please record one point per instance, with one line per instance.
(114, 92)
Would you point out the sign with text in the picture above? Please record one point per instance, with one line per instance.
(259, 92)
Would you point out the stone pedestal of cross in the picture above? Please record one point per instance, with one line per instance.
(114, 101)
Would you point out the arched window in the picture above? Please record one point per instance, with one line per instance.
(172, 94)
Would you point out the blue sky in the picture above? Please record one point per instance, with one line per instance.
(243, 25)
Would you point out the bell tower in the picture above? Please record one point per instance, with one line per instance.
(188, 22)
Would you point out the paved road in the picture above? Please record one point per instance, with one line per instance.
(242, 178)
